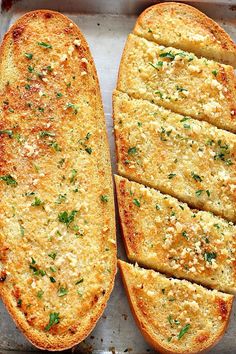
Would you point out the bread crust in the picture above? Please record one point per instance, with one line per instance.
(161, 137)
(183, 83)
(159, 229)
(145, 327)
(216, 45)
(51, 339)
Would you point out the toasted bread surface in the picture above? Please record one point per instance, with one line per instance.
(179, 81)
(175, 316)
(186, 158)
(57, 240)
(184, 27)
(161, 233)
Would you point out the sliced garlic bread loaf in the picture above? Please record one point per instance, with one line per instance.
(189, 159)
(57, 239)
(184, 27)
(175, 316)
(162, 233)
(179, 81)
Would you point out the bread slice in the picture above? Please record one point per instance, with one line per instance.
(57, 240)
(184, 27)
(162, 233)
(179, 81)
(175, 316)
(188, 159)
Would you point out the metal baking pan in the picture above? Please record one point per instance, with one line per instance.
(106, 24)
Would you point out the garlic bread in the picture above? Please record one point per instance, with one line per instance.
(175, 316)
(57, 239)
(162, 233)
(184, 27)
(179, 81)
(186, 158)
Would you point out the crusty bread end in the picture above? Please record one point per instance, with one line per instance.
(175, 316)
(184, 27)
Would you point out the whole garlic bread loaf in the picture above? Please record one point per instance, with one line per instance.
(176, 87)
(186, 158)
(175, 316)
(57, 239)
(162, 233)
(184, 27)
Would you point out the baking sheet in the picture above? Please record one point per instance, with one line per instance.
(106, 24)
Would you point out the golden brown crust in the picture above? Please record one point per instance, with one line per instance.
(146, 288)
(176, 155)
(179, 81)
(163, 234)
(35, 88)
(183, 26)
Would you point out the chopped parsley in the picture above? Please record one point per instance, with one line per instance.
(180, 89)
(157, 66)
(184, 119)
(45, 133)
(165, 133)
(88, 135)
(199, 192)
(62, 291)
(104, 198)
(73, 174)
(59, 94)
(217, 226)
(187, 126)
(168, 55)
(61, 162)
(196, 177)
(33, 266)
(37, 202)
(7, 132)
(53, 320)
(215, 72)
(185, 235)
(73, 106)
(22, 230)
(136, 202)
(88, 150)
(19, 303)
(66, 217)
(30, 69)
(52, 280)
(40, 294)
(159, 93)
(49, 68)
(132, 150)
(10, 181)
(45, 45)
(183, 331)
(52, 255)
(29, 56)
(172, 321)
(55, 146)
(61, 198)
(209, 256)
(171, 175)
